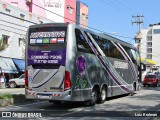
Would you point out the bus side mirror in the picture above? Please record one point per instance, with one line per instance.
(143, 67)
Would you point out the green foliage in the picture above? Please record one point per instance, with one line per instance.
(6, 96)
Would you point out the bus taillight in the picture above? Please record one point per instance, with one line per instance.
(26, 78)
(67, 81)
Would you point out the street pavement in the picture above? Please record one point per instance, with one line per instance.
(145, 101)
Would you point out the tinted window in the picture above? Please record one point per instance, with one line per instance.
(132, 54)
(82, 45)
(151, 76)
(108, 47)
(22, 76)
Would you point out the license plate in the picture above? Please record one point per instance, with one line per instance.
(43, 96)
(149, 82)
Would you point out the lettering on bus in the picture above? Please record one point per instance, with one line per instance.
(57, 34)
(46, 58)
(121, 65)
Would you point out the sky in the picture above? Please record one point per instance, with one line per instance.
(115, 16)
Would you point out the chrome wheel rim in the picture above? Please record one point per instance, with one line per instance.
(94, 96)
(103, 94)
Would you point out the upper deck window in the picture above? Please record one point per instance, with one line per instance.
(82, 44)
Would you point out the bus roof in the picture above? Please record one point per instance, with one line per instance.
(104, 35)
(48, 24)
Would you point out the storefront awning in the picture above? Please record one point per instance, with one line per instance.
(20, 64)
(148, 61)
(7, 66)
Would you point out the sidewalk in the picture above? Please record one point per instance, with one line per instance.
(18, 97)
(12, 90)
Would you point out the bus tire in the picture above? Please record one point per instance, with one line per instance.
(134, 87)
(94, 97)
(103, 95)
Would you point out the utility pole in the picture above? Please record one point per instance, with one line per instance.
(138, 21)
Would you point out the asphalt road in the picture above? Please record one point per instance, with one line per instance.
(145, 105)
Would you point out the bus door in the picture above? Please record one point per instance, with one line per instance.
(46, 57)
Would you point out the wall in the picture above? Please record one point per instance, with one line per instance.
(53, 9)
(15, 29)
(20, 3)
(82, 14)
(156, 46)
(70, 4)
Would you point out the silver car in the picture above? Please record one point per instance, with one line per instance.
(13, 83)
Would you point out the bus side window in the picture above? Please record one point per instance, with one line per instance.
(82, 45)
(131, 53)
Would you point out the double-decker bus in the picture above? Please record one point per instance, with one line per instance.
(65, 62)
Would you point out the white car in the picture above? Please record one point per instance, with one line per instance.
(13, 83)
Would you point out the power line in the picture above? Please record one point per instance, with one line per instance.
(79, 23)
(138, 21)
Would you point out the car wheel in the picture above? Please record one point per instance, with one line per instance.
(156, 85)
(12, 85)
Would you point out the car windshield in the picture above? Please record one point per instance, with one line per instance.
(151, 76)
(22, 76)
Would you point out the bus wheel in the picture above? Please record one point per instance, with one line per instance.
(134, 87)
(94, 97)
(103, 95)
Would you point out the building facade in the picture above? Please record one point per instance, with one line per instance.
(150, 44)
(17, 15)
(13, 26)
(72, 11)
(82, 14)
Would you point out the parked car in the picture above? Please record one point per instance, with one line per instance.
(13, 83)
(151, 80)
